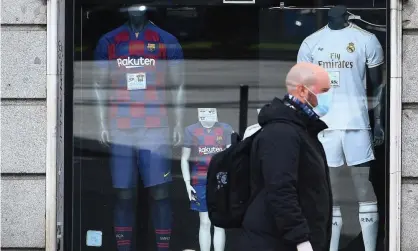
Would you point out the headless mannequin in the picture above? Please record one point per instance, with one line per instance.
(205, 239)
(137, 21)
(125, 215)
(338, 19)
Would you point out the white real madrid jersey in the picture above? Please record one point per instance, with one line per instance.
(344, 54)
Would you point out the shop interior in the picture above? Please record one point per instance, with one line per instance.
(224, 47)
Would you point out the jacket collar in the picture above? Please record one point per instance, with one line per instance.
(308, 118)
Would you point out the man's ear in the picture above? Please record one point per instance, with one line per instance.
(303, 92)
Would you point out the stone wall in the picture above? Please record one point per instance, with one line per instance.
(23, 124)
(409, 127)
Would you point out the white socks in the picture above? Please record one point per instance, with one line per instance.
(337, 224)
(369, 217)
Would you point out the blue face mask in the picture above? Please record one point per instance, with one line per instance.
(324, 103)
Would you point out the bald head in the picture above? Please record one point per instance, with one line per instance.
(307, 77)
(306, 74)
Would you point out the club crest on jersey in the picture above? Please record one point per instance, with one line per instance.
(219, 139)
(351, 48)
(151, 47)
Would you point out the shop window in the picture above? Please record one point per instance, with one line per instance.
(157, 86)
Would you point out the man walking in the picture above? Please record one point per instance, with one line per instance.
(293, 206)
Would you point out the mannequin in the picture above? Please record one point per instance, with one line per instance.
(135, 127)
(345, 49)
(202, 140)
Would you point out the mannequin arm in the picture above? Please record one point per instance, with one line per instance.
(100, 82)
(185, 170)
(101, 79)
(375, 74)
(176, 73)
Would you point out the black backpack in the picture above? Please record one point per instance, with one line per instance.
(228, 188)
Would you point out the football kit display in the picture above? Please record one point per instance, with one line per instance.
(345, 53)
(204, 143)
(137, 64)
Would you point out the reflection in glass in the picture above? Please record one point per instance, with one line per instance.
(142, 72)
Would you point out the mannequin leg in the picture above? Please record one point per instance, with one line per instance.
(204, 232)
(155, 169)
(124, 180)
(337, 223)
(219, 238)
(358, 150)
(368, 213)
(161, 214)
(124, 219)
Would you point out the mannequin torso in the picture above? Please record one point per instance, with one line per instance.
(205, 139)
(134, 59)
(349, 53)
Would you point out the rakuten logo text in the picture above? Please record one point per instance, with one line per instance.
(135, 62)
(209, 150)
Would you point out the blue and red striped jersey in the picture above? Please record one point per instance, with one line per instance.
(204, 143)
(137, 64)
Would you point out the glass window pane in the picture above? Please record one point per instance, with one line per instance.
(157, 92)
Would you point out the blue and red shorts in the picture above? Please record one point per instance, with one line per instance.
(199, 204)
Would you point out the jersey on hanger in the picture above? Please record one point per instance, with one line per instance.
(137, 64)
(204, 143)
(344, 54)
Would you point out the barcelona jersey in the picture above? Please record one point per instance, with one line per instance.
(204, 143)
(138, 65)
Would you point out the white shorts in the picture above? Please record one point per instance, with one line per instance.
(353, 146)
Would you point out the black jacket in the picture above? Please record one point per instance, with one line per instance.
(289, 166)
